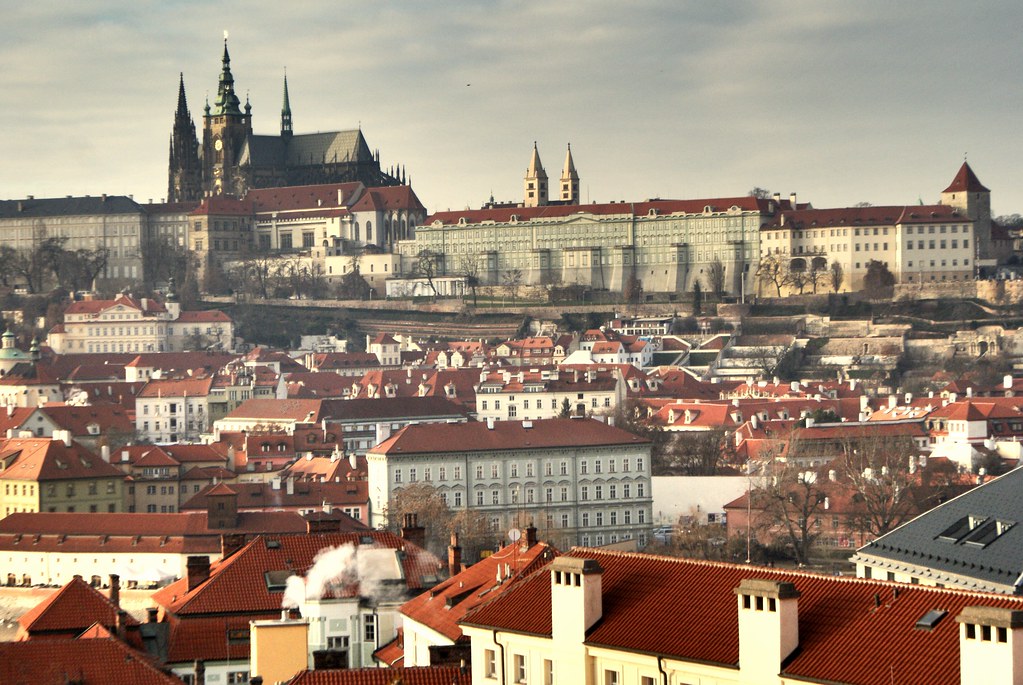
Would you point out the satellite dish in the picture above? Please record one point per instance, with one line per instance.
(514, 534)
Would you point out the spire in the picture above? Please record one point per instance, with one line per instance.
(227, 101)
(286, 129)
(569, 180)
(966, 181)
(182, 103)
(535, 194)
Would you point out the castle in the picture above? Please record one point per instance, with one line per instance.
(232, 159)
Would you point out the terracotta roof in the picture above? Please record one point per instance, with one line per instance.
(305, 494)
(392, 654)
(425, 438)
(443, 606)
(94, 660)
(78, 419)
(170, 387)
(966, 181)
(293, 198)
(147, 525)
(843, 635)
(862, 216)
(208, 316)
(238, 583)
(408, 675)
(150, 306)
(388, 197)
(636, 209)
(70, 610)
(42, 459)
(275, 409)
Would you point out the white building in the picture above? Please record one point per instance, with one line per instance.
(579, 481)
(173, 410)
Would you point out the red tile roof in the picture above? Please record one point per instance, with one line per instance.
(78, 419)
(425, 438)
(94, 660)
(208, 316)
(443, 606)
(409, 675)
(305, 494)
(276, 410)
(193, 387)
(844, 636)
(45, 459)
(70, 610)
(966, 181)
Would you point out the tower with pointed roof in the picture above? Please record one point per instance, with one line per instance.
(973, 199)
(232, 159)
(286, 130)
(569, 180)
(184, 182)
(535, 194)
(225, 131)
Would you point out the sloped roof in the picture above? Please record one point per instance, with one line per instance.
(70, 610)
(929, 540)
(68, 206)
(305, 494)
(443, 606)
(843, 636)
(94, 660)
(43, 459)
(966, 181)
(267, 409)
(424, 438)
(406, 675)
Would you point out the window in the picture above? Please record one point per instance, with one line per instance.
(519, 667)
(584, 493)
(610, 677)
(397, 475)
(548, 672)
(237, 677)
(489, 663)
(369, 629)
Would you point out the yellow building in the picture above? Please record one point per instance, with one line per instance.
(50, 475)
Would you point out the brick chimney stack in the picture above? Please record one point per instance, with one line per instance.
(198, 570)
(412, 531)
(115, 590)
(529, 539)
(454, 556)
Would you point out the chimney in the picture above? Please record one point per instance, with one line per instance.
(454, 556)
(152, 615)
(115, 590)
(278, 649)
(1007, 382)
(990, 645)
(124, 456)
(529, 539)
(576, 605)
(64, 436)
(490, 423)
(197, 570)
(120, 621)
(792, 200)
(768, 627)
(200, 673)
(231, 543)
(104, 452)
(412, 531)
(290, 486)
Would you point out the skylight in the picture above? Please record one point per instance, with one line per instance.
(931, 619)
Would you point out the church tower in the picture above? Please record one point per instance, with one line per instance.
(535, 182)
(225, 131)
(286, 130)
(184, 176)
(973, 199)
(569, 180)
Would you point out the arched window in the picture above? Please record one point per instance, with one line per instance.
(369, 231)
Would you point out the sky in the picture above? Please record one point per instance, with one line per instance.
(840, 102)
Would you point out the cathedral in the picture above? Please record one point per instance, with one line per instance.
(232, 159)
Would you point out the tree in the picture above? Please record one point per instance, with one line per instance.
(475, 533)
(428, 266)
(633, 290)
(689, 453)
(566, 409)
(352, 285)
(469, 267)
(716, 276)
(772, 271)
(697, 297)
(836, 274)
(787, 508)
(878, 281)
(878, 469)
(797, 278)
(432, 512)
(760, 193)
(511, 279)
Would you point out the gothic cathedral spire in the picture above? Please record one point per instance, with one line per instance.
(535, 181)
(184, 182)
(286, 130)
(569, 180)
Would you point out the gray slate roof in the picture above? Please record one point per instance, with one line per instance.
(942, 538)
(68, 206)
(305, 149)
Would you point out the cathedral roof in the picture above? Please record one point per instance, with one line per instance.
(966, 181)
(535, 165)
(306, 149)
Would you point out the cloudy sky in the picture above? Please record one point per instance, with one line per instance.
(841, 102)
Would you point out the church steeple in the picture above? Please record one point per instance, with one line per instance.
(569, 180)
(227, 101)
(286, 130)
(535, 182)
(184, 178)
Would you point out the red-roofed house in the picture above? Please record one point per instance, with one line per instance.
(618, 615)
(129, 324)
(169, 410)
(74, 608)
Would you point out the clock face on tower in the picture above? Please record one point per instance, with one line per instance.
(218, 145)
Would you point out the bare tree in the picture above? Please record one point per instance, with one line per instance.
(511, 279)
(716, 276)
(690, 453)
(469, 267)
(836, 275)
(432, 512)
(475, 533)
(772, 271)
(428, 266)
(815, 276)
(878, 469)
(787, 509)
(797, 279)
(760, 193)
(352, 285)
(633, 290)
